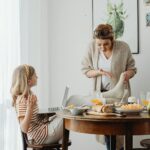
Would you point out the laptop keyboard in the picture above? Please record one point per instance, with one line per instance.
(53, 109)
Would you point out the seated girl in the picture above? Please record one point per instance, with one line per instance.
(42, 131)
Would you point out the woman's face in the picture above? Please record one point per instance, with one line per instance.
(104, 44)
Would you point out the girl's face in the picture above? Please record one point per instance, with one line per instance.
(104, 44)
(33, 80)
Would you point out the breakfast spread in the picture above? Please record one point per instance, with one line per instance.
(98, 108)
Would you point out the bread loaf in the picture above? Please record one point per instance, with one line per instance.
(102, 108)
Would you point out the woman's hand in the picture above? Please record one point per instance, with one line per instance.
(126, 77)
(128, 74)
(106, 73)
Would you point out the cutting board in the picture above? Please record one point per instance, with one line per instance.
(90, 112)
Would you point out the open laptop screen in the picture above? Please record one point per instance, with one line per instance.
(65, 97)
(57, 108)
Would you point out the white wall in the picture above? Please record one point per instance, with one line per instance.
(54, 36)
(34, 44)
(69, 32)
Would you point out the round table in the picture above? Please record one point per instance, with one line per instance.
(128, 126)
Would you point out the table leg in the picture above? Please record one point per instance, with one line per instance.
(128, 139)
(65, 137)
(112, 142)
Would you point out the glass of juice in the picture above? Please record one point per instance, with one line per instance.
(144, 100)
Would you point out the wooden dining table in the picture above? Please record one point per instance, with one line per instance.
(128, 125)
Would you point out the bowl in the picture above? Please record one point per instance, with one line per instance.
(77, 111)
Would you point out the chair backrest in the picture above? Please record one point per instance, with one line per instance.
(24, 136)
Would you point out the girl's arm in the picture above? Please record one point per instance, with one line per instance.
(25, 121)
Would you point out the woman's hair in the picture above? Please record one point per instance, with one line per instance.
(20, 78)
(104, 31)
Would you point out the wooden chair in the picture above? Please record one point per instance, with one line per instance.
(30, 144)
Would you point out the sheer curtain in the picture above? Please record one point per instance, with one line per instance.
(9, 59)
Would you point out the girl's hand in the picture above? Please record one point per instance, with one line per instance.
(31, 101)
(106, 73)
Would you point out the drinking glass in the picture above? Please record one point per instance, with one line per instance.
(148, 96)
(143, 98)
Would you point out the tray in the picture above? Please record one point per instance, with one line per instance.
(90, 112)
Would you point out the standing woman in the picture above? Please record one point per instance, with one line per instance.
(105, 60)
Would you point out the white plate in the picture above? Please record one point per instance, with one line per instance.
(128, 110)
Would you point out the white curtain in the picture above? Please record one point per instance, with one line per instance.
(9, 59)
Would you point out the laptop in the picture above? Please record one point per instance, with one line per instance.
(58, 108)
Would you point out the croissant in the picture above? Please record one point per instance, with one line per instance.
(102, 108)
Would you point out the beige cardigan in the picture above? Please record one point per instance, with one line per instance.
(122, 60)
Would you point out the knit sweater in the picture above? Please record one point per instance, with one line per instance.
(122, 61)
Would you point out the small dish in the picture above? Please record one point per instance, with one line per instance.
(77, 111)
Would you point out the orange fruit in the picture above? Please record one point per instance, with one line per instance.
(96, 101)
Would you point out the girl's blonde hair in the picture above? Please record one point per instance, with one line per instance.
(20, 78)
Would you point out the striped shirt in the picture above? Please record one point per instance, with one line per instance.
(38, 129)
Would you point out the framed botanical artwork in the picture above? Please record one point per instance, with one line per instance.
(147, 2)
(123, 15)
(148, 19)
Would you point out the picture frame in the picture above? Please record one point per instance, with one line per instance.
(147, 19)
(147, 2)
(123, 15)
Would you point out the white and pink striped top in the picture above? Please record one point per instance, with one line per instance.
(38, 130)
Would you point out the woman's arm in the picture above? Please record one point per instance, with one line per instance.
(88, 59)
(88, 63)
(99, 72)
(25, 121)
(93, 73)
(130, 66)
